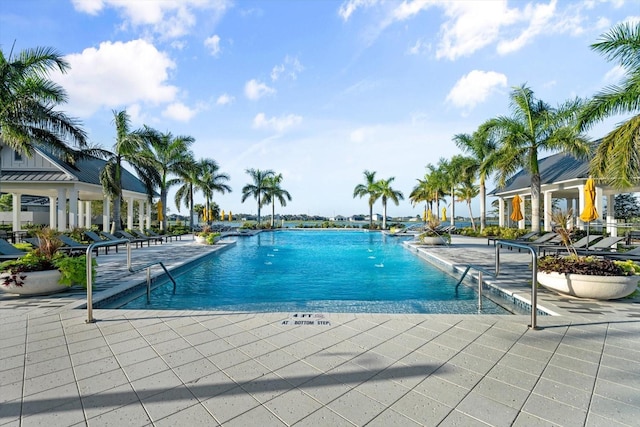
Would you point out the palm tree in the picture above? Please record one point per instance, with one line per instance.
(211, 181)
(437, 184)
(385, 191)
(189, 176)
(482, 150)
(275, 192)
(172, 156)
(466, 192)
(617, 158)
(258, 188)
(131, 147)
(28, 100)
(368, 189)
(534, 126)
(421, 193)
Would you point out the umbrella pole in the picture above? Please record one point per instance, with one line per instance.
(588, 243)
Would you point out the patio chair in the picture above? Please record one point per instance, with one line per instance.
(166, 237)
(602, 246)
(632, 254)
(141, 235)
(580, 244)
(119, 236)
(523, 238)
(8, 251)
(545, 238)
(95, 238)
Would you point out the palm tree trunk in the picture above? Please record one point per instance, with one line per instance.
(163, 200)
(452, 214)
(384, 214)
(273, 213)
(473, 224)
(191, 207)
(483, 205)
(535, 202)
(259, 210)
(370, 216)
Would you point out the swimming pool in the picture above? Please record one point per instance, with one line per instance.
(319, 271)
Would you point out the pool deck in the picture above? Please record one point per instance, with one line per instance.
(167, 368)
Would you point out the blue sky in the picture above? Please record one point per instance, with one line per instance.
(316, 90)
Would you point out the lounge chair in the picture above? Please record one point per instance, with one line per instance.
(119, 236)
(580, 244)
(166, 237)
(545, 238)
(602, 246)
(632, 254)
(8, 251)
(141, 235)
(523, 238)
(70, 245)
(95, 238)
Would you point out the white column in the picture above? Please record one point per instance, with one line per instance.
(106, 214)
(547, 210)
(87, 212)
(52, 213)
(612, 226)
(581, 203)
(17, 207)
(141, 215)
(521, 223)
(600, 204)
(62, 209)
(130, 213)
(501, 212)
(148, 218)
(73, 208)
(80, 214)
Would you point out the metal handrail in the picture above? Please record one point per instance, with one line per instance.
(534, 276)
(90, 248)
(148, 267)
(480, 270)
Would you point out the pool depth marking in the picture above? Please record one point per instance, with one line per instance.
(306, 319)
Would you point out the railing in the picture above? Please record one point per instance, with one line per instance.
(90, 249)
(89, 267)
(148, 267)
(534, 276)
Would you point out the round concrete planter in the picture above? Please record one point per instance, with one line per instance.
(432, 240)
(592, 287)
(35, 283)
(200, 239)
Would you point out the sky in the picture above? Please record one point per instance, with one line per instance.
(319, 90)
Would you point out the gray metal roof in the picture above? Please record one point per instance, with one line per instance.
(556, 168)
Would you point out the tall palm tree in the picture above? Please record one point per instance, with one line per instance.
(386, 192)
(28, 100)
(457, 171)
(275, 192)
(130, 147)
(535, 126)
(481, 147)
(189, 176)
(212, 181)
(421, 192)
(368, 189)
(466, 192)
(258, 188)
(437, 184)
(172, 155)
(617, 158)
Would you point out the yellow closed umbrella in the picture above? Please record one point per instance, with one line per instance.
(429, 215)
(160, 217)
(516, 215)
(424, 215)
(222, 216)
(205, 215)
(230, 217)
(589, 213)
(444, 214)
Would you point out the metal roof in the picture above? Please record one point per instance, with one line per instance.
(555, 168)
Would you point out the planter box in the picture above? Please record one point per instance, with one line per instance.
(35, 283)
(593, 287)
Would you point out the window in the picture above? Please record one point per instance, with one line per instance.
(17, 156)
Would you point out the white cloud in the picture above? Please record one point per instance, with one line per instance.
(418, 48)
(255, 90)
(614, 75)
(279, 124)
(475, 87)
(539, 17)
(408, 9)
(180, 112)
(169, 19)
(213, 44)
(290, 68)
(224, 99)
(104, 77)
(348, 7)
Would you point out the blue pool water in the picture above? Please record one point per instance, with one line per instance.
(320, 271)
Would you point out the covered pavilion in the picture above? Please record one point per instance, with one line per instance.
(564, 177)
(69, 187)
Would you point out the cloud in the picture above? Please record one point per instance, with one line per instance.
(213, 44)
(169, 19)
(539, 17)
(279, 124)
(348, 7)
(180, 112)
(475, 87)
(419, 47)
(224, 99)
(290, 68)
(104, 77)
(255, 90)
(615, 75)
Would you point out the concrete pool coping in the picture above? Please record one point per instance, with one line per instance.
(166, 368)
